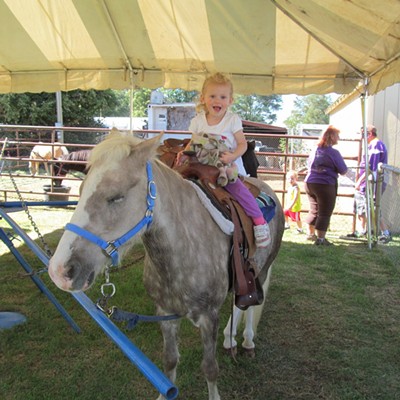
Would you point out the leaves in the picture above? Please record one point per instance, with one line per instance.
(309, 110)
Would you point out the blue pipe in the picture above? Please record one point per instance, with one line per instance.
(39, 283)
(14, 204)
(151, 372)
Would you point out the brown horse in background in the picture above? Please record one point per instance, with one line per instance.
(61, 168)
(41, 153)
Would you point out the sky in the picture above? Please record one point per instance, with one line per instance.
(287, 106)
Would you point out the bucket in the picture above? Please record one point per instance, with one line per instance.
(51, 194)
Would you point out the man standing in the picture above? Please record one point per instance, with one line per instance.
(377, 153)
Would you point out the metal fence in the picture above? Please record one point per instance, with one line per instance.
(388, 205)
(276, 153)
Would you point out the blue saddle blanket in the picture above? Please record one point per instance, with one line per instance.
(267, 205)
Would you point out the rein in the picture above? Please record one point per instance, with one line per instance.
(111, 247)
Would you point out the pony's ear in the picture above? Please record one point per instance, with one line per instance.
(148, 148)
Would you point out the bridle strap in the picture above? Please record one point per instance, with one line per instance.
(111, 247)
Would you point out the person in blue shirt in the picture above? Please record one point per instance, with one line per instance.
(321, 182)
(377, 153)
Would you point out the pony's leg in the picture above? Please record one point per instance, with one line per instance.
(230, 330)
(46, 167)
(32, 167)
(169, 331)
(209, 331)
(252, 318)
(248, 333)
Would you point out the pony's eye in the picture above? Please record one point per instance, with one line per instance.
(115, 199)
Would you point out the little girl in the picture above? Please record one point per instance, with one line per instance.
(214, 118)
(293, 210)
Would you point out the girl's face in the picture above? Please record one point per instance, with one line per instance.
(217, 98)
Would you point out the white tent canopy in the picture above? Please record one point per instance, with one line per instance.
(267, 46)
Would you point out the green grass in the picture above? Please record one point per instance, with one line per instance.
(330, 330)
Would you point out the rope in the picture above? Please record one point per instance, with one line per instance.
(132, 319)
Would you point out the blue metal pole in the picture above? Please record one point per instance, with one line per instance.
(150, 371)
(56, 203)
(135, 355)
(39, 283)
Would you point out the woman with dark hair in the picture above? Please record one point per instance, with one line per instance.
(324, 164)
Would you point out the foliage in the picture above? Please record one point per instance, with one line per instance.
(257, 108)
(309, 110)
(79, 107)
(121, 108)
(179, 96)
(140, 101)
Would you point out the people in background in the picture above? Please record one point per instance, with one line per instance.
(292, 211)
(214, 118)
(377, 153)
(321, 183)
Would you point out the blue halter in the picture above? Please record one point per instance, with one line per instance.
(111, 247)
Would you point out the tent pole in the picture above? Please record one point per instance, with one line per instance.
(131, 102)
(131, 109)
(365, 144)
(59, 123)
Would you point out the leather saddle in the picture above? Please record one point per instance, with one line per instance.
(246, 286)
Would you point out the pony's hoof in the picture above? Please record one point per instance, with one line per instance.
(249, 353)
(232, 352)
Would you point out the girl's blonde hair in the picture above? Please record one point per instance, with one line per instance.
(217, 78)
(292, 173)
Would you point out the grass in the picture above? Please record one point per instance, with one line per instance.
(330, 330)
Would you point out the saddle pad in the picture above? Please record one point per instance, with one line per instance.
(267, 205)
(225, 224)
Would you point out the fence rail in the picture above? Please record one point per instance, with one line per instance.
(278, 154)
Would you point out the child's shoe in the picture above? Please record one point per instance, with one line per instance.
(262, 235)
(287, 226)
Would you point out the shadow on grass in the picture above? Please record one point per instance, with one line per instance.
(330, 330)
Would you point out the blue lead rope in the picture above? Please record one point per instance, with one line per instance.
(133, 319)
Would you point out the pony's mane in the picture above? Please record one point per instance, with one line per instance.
(116, 146)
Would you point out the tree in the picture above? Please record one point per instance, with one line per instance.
(258, 108)
(79, 109)
(178, 95)
(309, 110)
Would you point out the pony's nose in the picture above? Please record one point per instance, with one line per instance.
(78, 275)
(59, 278)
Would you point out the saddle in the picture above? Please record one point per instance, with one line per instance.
(170, 148)
(246, 286)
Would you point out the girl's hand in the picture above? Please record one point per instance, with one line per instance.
(226, 157)
(180, 159)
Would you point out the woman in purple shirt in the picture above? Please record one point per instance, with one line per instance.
(324, 164)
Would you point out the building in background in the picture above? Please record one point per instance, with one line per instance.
(383, 111)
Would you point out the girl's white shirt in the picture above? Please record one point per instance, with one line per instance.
(227, 127)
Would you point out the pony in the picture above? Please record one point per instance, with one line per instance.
(42, 153)
(186, 253)
(61, 168)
